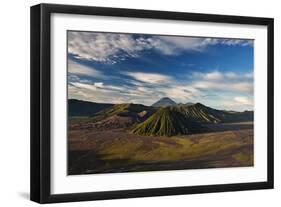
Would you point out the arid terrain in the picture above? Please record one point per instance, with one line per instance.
(99, 150)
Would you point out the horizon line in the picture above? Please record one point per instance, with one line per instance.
(156, 101)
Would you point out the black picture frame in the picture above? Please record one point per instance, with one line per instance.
(41, 98)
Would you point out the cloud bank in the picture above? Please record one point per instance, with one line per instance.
(233, 90)
(112, 47)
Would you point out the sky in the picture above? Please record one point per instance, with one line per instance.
(142, 68)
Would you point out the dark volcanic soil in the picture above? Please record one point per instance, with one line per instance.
(99, 150)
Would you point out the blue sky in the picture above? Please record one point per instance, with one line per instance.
(138, 68)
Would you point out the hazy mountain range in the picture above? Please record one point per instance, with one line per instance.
(163, 118)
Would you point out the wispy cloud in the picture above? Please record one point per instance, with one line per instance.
(243, 100)
(149, 77)
(146, 88)
(233, 42)
(173, 44)
(75, 68)
(231, 75)
(105, 47)
(113, 47)
(104, 93)
(222, 86)
(209, 76)
(223, 81)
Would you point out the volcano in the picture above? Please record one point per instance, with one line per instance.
(167, 122)
(164, 102)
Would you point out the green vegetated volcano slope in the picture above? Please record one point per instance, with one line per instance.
(129, 109)
(186, 119)
(167, 121)
(201, 113)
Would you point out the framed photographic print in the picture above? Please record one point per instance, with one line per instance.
(133, 103)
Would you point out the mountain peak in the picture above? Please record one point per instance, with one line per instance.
(165, 98)
(199, 104)
(189, 103)
(165, 101)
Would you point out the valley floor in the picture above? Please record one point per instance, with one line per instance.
(109, 151)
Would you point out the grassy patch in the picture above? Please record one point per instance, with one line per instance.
(243, 157)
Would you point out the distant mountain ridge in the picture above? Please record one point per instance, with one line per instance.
(164, 102)
(85, 108)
